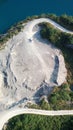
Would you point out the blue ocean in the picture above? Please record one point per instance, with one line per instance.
(12, 11)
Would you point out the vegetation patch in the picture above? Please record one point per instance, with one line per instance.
(27, 122)
(61, 98)
(60, 40)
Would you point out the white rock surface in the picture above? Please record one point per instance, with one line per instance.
(26, 62)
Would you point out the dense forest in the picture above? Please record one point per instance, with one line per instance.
(37, 122)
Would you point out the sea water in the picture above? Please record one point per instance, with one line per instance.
(12, 11)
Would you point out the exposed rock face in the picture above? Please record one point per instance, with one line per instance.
(26, 62)
(1, 84)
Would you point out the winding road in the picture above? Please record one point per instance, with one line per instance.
(6, 115)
